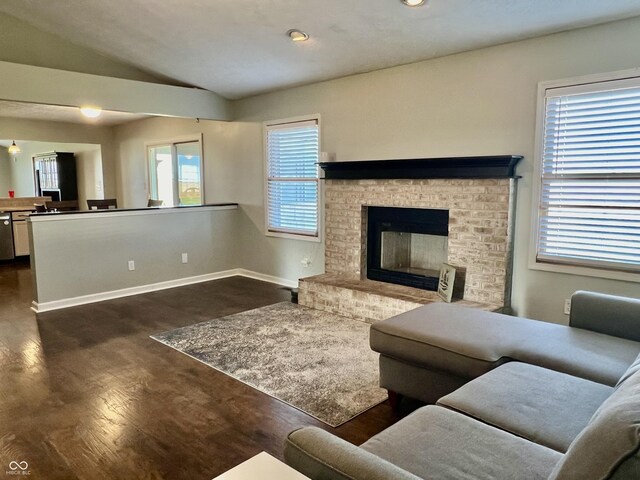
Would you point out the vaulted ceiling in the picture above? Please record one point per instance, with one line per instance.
(239, 48)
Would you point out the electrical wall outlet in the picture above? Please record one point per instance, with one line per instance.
(567, 306)
(132, 265)
(185, 258)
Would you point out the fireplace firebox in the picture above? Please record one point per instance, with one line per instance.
(407, 246)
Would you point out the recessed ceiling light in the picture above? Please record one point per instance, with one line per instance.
(90, 111)
(297, 35)
(414, 3)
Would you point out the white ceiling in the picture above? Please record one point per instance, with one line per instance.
(238, 48)
(55, 113)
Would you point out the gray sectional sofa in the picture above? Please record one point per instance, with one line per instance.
(510, 398)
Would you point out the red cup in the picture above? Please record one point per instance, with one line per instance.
(12, 194)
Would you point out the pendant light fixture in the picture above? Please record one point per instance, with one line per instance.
(14, 149)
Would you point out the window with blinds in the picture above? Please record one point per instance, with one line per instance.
(590, 194)
(292, 151)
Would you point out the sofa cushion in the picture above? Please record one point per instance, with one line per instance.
(541, 405)
(608, 446)
(589, 308)
(469, 342)
(437, 443)
(633, 368)
(323, 456)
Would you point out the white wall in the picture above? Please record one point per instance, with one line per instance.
(220, 175)
(87, 254)
(89, 179)
(231, 174)
(58, 133)
(475, 103)
(279, 257)
(89, 171)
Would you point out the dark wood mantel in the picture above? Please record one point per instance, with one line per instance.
(497, 166)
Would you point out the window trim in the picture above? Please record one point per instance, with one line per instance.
(172, 141)
(575, 83)
(265, 176)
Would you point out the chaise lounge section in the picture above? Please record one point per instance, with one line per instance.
(430, 351)
(536, 401)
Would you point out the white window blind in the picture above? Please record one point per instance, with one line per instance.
(590, 194)
(292, 178)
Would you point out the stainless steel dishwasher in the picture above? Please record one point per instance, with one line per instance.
(6, 237)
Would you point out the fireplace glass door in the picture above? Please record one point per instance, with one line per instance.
(414, 253)
(407, 246)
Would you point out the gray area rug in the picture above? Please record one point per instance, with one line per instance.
(315, 361)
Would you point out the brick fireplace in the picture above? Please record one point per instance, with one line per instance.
(478, 193)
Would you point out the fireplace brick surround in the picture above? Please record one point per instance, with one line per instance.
(480, 240)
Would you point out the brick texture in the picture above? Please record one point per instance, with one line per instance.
(367, 300)
(480, 226)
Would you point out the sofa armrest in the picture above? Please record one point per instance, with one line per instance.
(322, 456)
(608, 314)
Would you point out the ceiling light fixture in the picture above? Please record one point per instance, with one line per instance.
(297, 35)
(90, 112)
(14, 149)
(414, 3)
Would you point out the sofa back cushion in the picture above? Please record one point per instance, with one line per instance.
(633, 368)
(608, 314)
(608, 447)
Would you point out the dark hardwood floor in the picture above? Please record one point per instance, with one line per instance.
(86, 394)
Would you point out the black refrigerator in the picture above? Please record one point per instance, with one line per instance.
(55, 176)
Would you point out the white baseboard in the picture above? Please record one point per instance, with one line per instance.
(267, 278)
(125, 292)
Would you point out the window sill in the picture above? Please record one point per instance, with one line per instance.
(585, 271)
(294, 236)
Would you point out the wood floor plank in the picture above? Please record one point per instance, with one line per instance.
(86, 394)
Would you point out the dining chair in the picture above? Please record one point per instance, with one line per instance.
(106, 204)
(62, 206)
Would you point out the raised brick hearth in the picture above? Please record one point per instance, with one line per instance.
(367, 300)
(480, 228)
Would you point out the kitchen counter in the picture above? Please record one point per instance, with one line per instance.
(18, 209)
(21, 204)
(125, 211)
